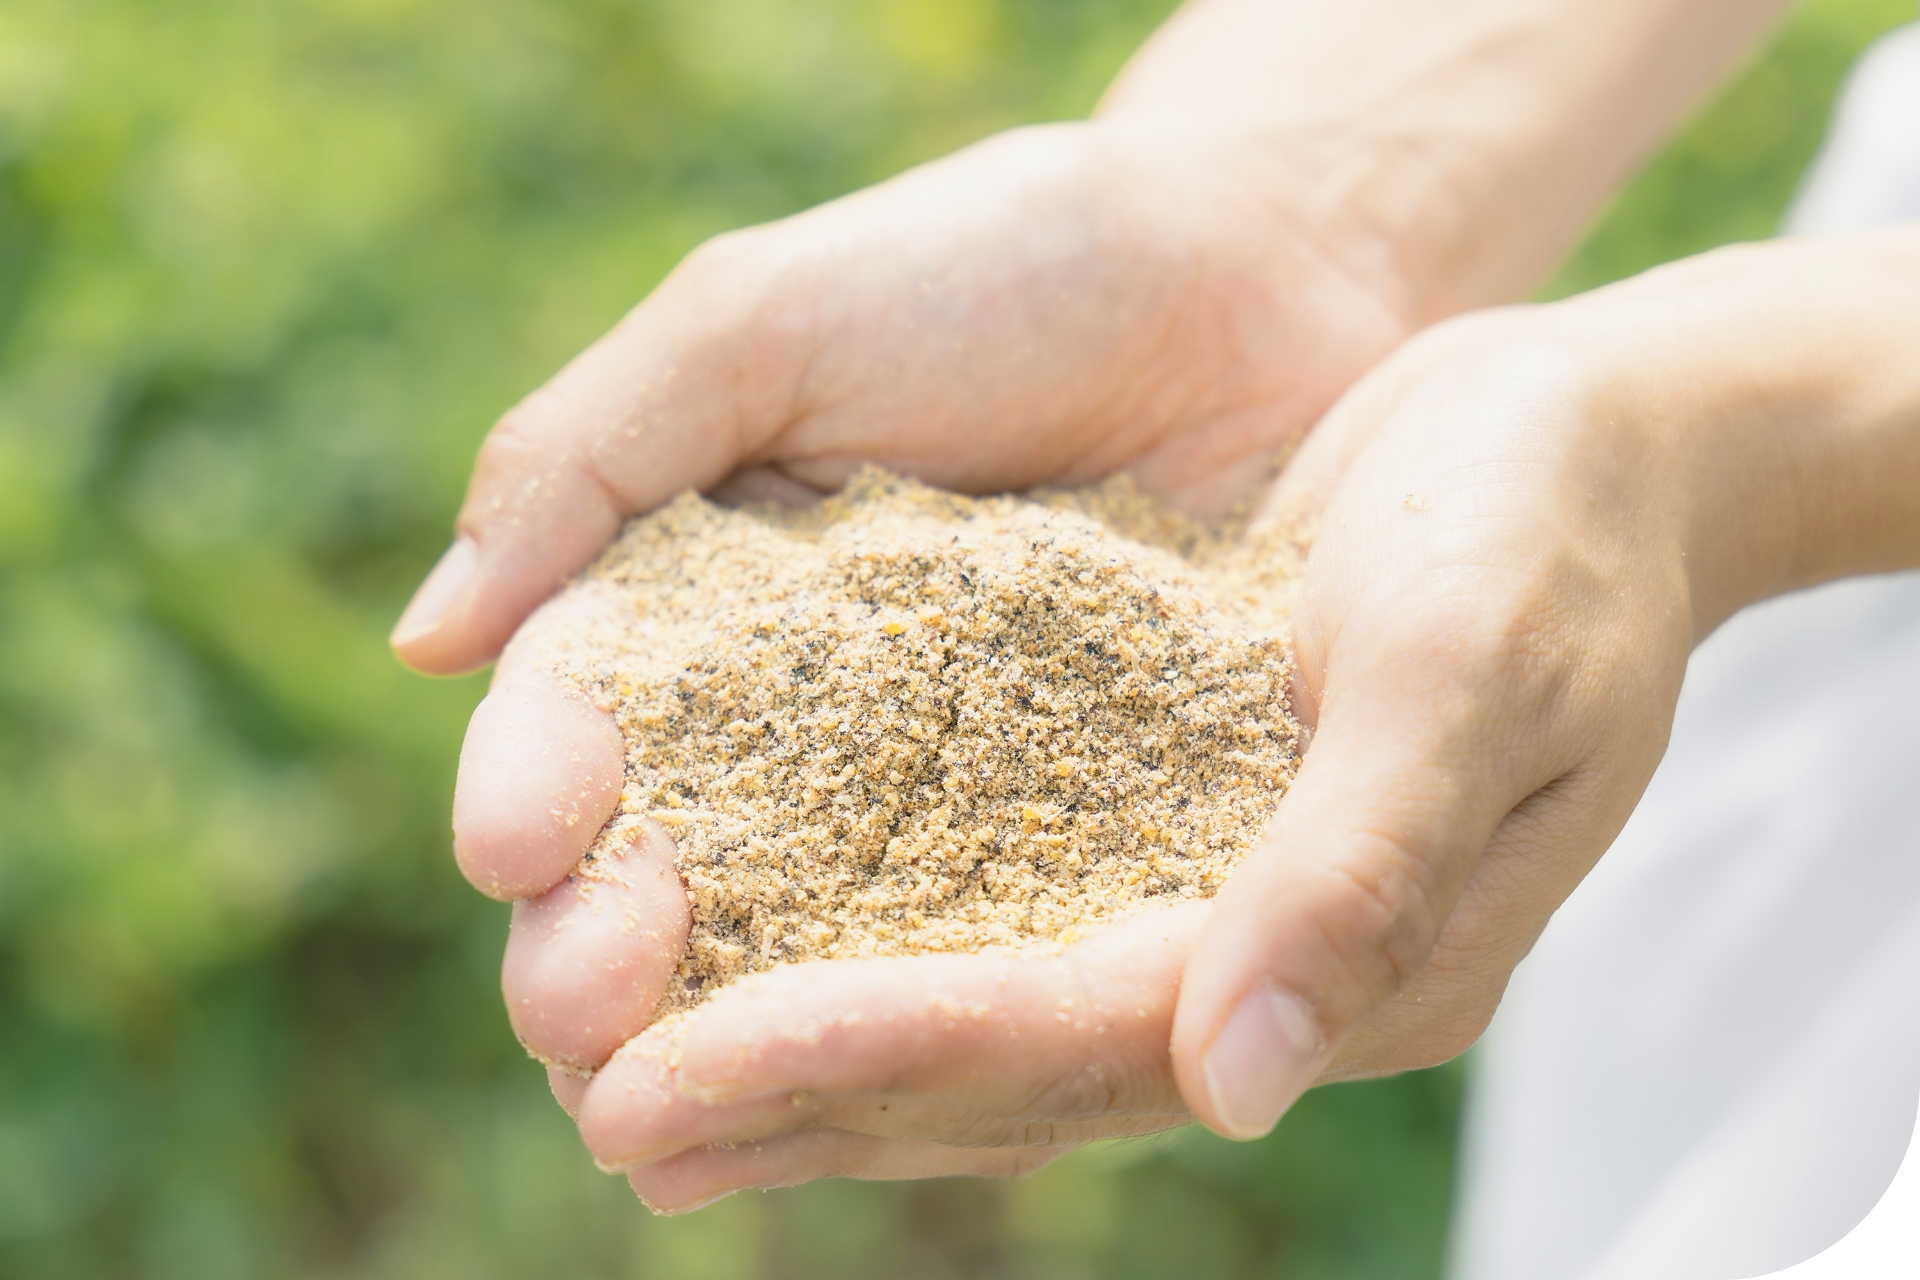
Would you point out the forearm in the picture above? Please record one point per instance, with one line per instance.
(1781, 385)
(1458, 149)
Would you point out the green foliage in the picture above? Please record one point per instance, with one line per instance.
(1731, 173)
(266, 273)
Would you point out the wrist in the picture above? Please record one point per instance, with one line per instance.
(1282, 189)
(1457, 151)
(1775, 388)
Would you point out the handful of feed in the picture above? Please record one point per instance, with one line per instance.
(902, 720)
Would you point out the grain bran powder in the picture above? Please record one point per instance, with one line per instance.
(904, 721)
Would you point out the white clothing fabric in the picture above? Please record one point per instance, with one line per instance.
(1868, 173)
(1709, 1067)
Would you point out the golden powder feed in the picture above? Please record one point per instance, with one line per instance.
(904, 721)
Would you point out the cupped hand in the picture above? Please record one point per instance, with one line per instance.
(984, 1064)
(1499, 605)
(1055, 304)
(1527, 519)
(1491, 637)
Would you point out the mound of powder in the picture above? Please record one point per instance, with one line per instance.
(903, 720)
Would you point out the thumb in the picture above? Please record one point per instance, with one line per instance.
(693, 380)
(1341, 903)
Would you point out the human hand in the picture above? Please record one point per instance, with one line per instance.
(541, 769)
(775, 361)
(956, 1064)
(1462, 542)
(990, 1064)
(1053, 305)
(1527, 519)
(1274, 193)
(1062, 303)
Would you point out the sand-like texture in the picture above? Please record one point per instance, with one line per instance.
(905, 721)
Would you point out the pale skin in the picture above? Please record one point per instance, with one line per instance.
(1528, 516)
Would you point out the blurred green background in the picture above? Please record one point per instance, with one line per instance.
(267, 272)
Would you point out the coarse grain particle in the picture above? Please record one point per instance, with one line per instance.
(904, 721)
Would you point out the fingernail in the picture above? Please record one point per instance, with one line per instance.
(1260, 1062)
(444, 588)
(569, 1086)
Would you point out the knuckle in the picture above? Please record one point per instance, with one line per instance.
(749, 312)
(516, 443)
(1380, 918)
(735, 277)
(535, 457)
(525, 460)
(1107, 1072)
(714, 266)
(1492, 665)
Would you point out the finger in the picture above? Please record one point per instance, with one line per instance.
(689, 383)
(971, 1050)
(1538, 854)
(569, 1086)
(694, 1179)
(1413, 767)
(633, 1114)
(630, 1115)
(1070, 1036)
(587, 961)
(540, 771)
